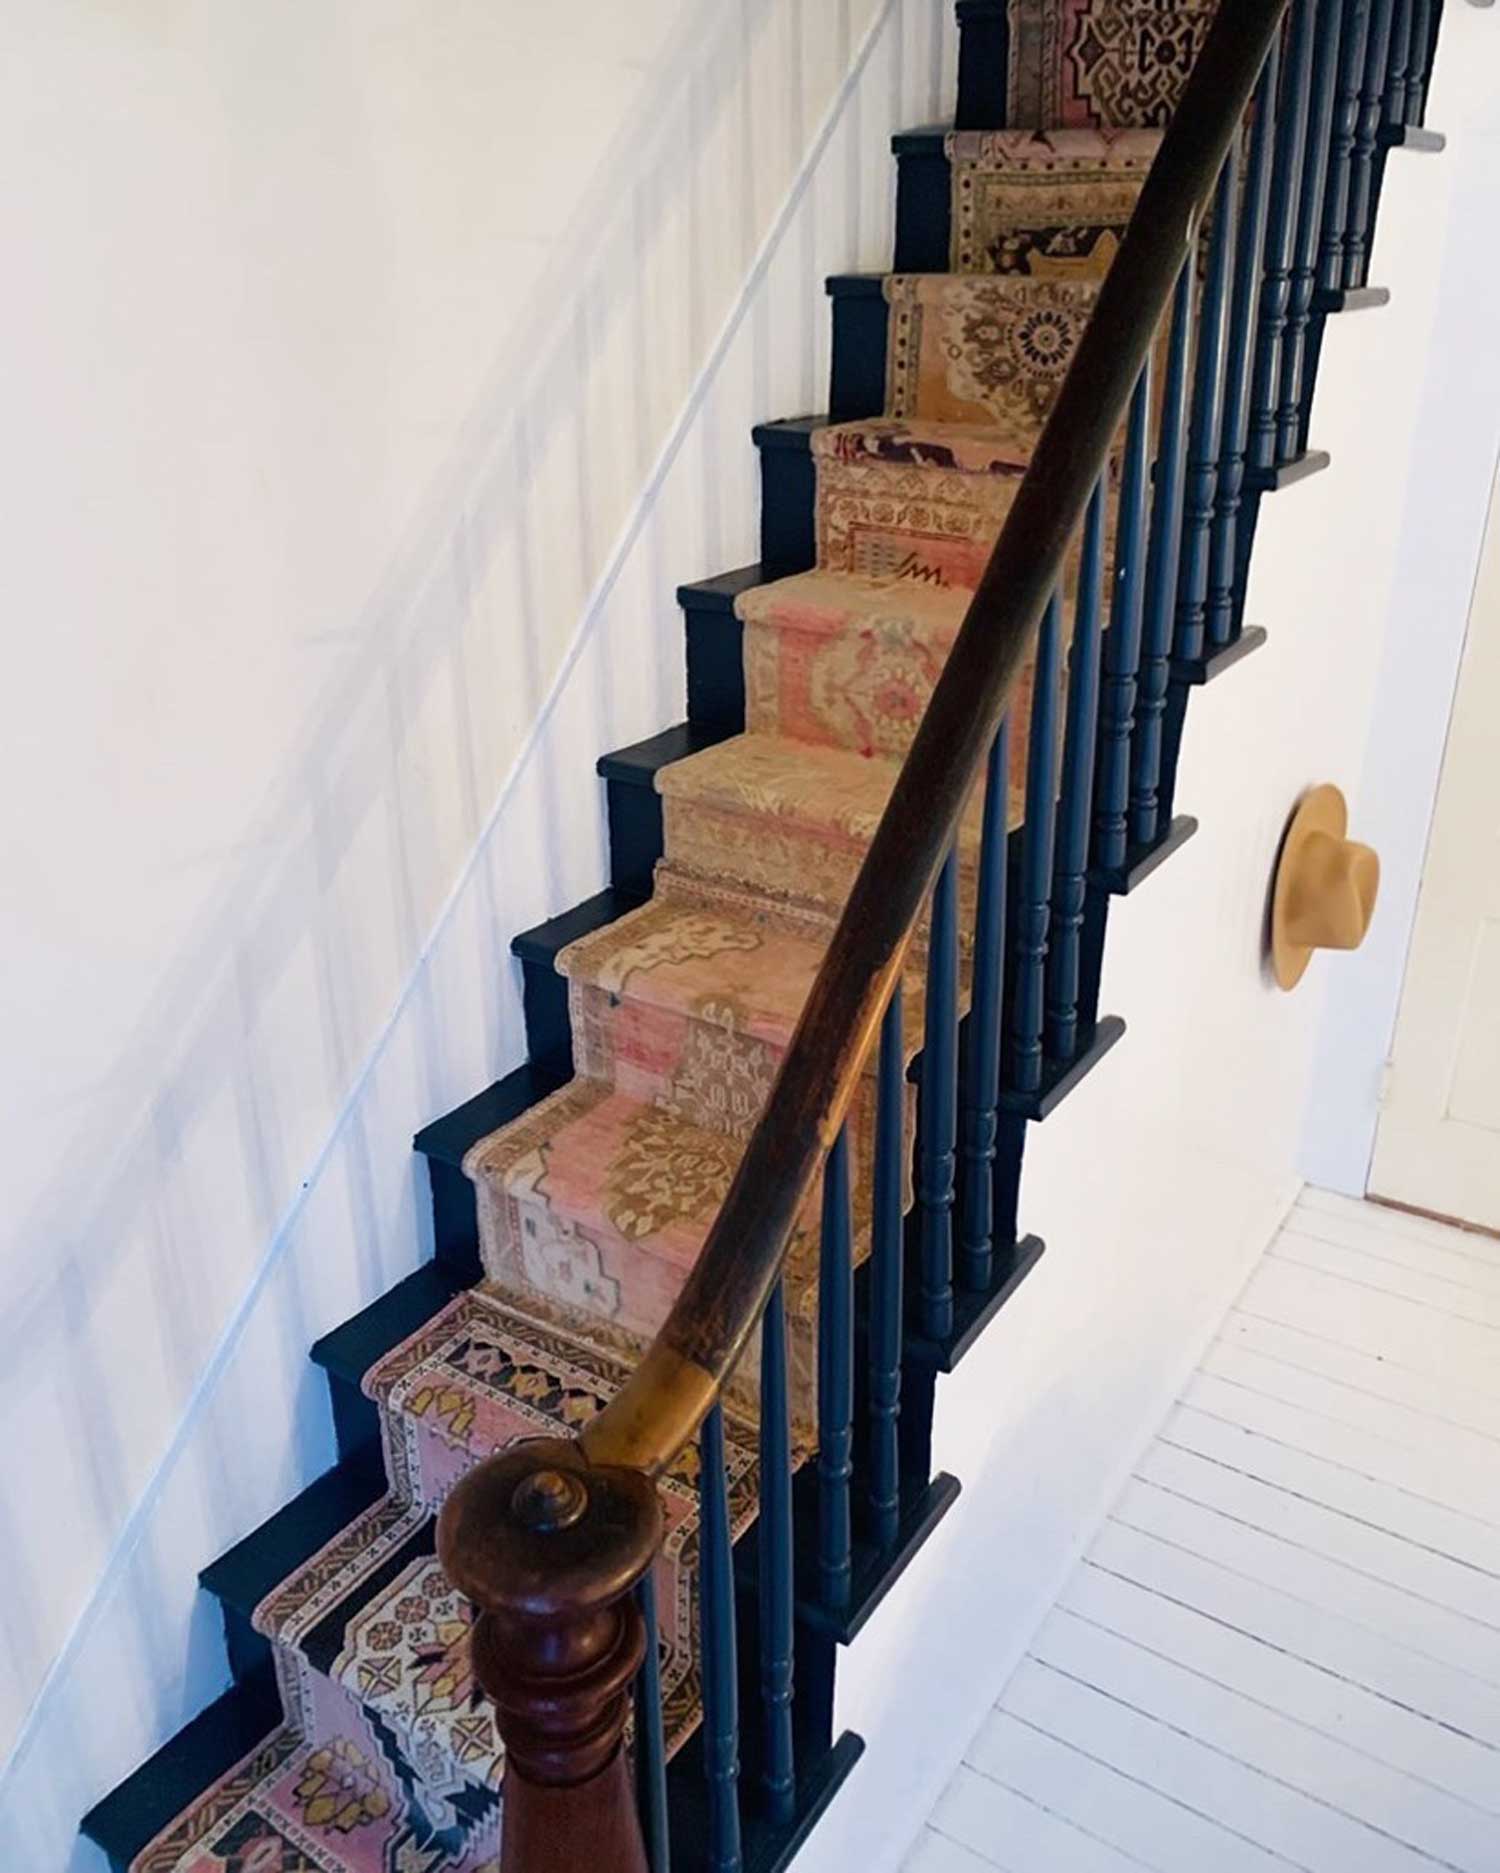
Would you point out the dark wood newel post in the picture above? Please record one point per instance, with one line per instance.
(549, 1548)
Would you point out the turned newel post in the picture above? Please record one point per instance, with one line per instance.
(549, 1549)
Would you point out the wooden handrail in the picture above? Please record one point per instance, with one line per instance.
(720, 1303)
(551, 1541)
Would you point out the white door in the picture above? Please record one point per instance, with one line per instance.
(1438, 1142)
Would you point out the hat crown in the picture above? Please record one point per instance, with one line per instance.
(1326, 886)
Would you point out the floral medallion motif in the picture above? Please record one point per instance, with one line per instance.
(985, 348)
(871, 687)
(662, 1174)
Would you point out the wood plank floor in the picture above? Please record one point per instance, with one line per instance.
(1283, 1648)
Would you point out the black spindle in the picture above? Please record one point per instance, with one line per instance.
(774, 1532)
(1162, 556)
(1309, 227)
(1038, 845)
(1341, 143)
(1122, 641)
(650, 1737)
(1366, 139)
(1250, 248)
(1420, 61)
(1397, 60)
(982, 1068)
(938, 1119)
(720, 1668)
(887, 1279)
(1206, 432)
(1281, 233)
(835, 1379)
(1079, 743)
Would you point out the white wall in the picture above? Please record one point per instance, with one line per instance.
(1164, 1175)
(377, 372)
(1436, 529)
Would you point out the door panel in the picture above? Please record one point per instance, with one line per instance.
(1438, 1142)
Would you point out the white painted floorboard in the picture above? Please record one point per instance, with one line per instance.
(1282, 1650)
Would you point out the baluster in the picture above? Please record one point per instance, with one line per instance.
(721, 1741)
(886, 1279)
(1281, 233)
(1420, 61)
(1208, 412)
(1038, 839)
(982, 1085)
(1122, 642)
(1229, 495)
(1161, 570)
(1341, 144)
(1309, 226)
(1397, 61)
(650, 1737)
(1366, 136)
(1077, 787)
(835, 1378)
(938, 1123)
(774, 1533)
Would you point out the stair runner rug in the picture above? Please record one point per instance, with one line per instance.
(595, 1203)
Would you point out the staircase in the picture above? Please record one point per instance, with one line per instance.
(574, 1198)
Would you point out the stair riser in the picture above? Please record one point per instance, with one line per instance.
(861, 331)
(799, 865)
(635, 835)
(716, 669)
(882, 518)
(924, 205)
(983, 57)
(788, 503)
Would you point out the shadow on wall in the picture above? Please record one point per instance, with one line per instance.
(269, 1041)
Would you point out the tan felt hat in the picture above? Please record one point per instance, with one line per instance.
(1325, 889)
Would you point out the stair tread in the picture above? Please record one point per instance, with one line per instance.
(832, 791)
(674, 954)
(830, 602)
(970, 448)
(1060, 151)
(785, 780)
(353, 1346)
(612, 1169)
(245, 1573)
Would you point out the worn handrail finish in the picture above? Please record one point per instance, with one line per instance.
(719, 1305)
